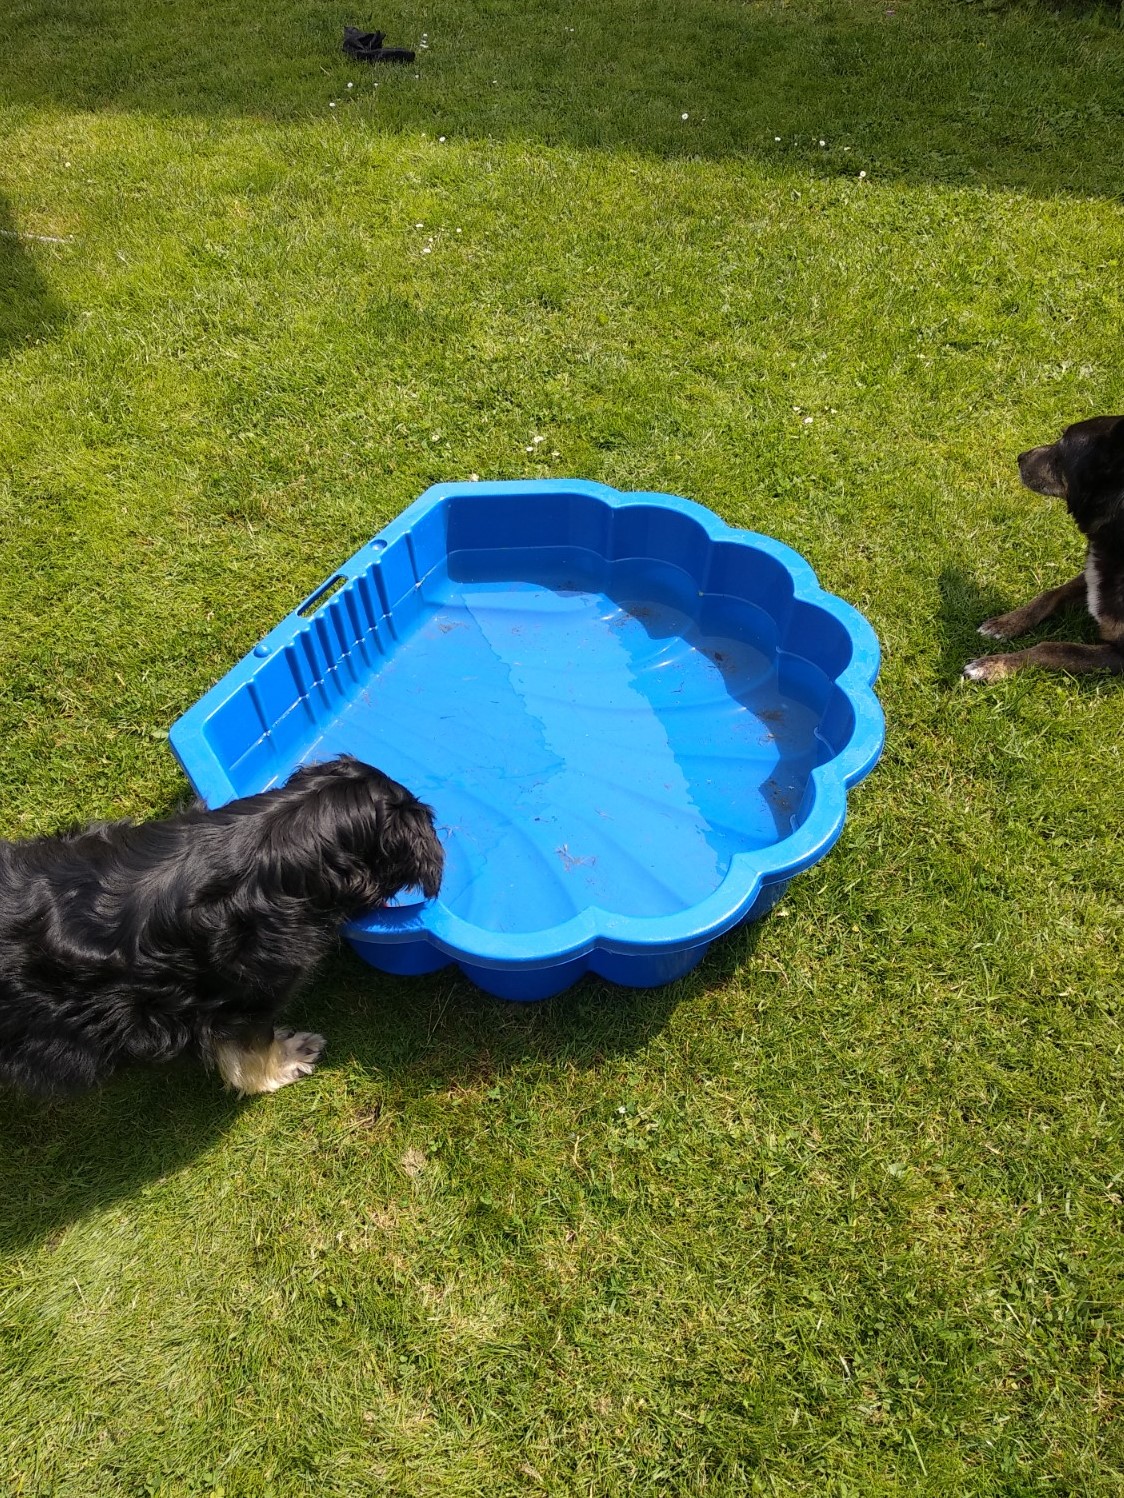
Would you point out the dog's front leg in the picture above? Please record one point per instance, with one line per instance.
(1051, 655)
(258, 1058)
(1022, 621)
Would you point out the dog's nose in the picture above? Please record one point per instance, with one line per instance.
(1023, 456)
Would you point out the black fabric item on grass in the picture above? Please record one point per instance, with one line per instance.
(367, 46)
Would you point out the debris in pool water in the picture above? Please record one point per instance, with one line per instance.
(779, 795)
(569, 861)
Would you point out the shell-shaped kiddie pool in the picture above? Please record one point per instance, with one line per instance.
(635, 724)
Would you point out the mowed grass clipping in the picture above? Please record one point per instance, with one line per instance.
(841, 1212)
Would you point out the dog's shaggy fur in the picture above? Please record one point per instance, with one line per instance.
(129, 943)
(1085, 467)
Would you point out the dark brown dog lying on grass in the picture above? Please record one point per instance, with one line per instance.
(1086, 468)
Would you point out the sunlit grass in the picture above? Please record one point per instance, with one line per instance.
(840, 1212)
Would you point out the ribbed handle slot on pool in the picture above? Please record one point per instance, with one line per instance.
(322, 594)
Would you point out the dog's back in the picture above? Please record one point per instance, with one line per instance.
(136, 942)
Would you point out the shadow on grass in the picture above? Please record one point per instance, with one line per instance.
(1023, 96)
(966, 603)
(448, 1033)
(63, 1159)
(28, 310)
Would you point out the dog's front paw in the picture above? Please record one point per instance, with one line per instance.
(266, 1061)
(293, 1055)
(1003, 627)
(987, 668)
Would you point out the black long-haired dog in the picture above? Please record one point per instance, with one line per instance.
(1085, 467)
(132, 943)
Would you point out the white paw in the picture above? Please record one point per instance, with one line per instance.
(293, 1055)
(987, 668)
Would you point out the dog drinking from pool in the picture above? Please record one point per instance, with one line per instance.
(127, 943)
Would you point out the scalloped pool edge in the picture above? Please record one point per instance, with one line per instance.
(631, 950)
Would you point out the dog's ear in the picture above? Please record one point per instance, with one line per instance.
(1092, 456)
(349, 837)
(409, 852)
(1112, 466)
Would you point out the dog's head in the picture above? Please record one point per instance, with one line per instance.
(1085, 467)
(348, 837)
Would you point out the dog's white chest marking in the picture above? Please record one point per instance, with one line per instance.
(1092, 586)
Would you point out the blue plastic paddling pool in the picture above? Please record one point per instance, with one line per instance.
(635, 724)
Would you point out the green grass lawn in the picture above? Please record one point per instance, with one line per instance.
(840, 1213)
